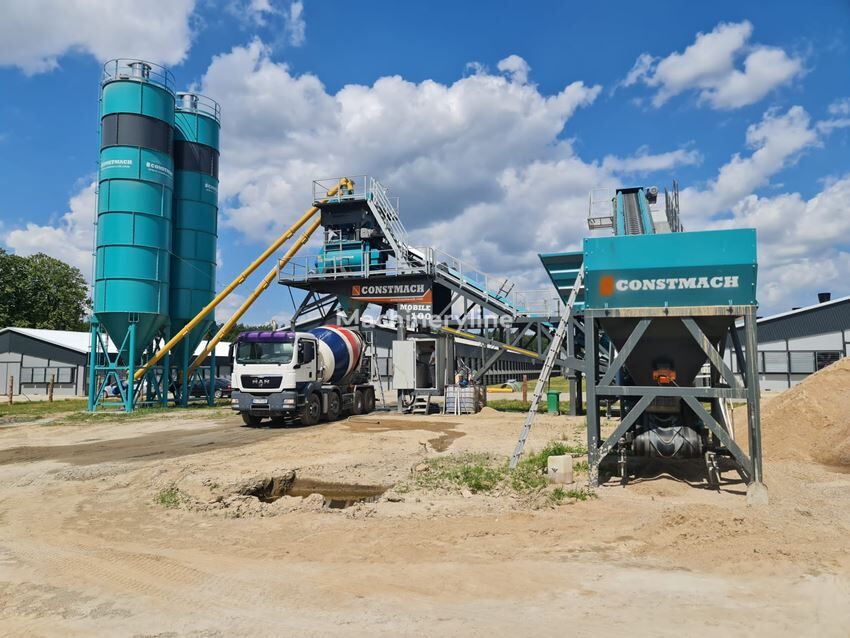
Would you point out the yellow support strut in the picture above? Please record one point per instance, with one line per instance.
(264, 284)
(185, 330)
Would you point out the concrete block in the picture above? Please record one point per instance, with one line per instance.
(757, 495)
(559, 469)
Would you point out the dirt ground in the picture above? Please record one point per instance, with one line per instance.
(139, 528)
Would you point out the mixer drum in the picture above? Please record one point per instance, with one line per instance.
(666, 436)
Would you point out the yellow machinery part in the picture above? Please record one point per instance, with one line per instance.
(264, 284)
(185, 330)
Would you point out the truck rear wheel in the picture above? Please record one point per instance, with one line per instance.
(251, 420)
(368, 400)
(357, 402)
(334, 407)
(311, 411)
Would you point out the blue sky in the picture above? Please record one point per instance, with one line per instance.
(492, 121)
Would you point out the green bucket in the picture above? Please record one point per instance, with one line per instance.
(552, 402)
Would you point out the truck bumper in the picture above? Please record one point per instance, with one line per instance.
(274, 404)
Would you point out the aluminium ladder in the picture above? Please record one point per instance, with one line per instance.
(548, 365)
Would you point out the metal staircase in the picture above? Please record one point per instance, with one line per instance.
(386, 214)
(551, 357)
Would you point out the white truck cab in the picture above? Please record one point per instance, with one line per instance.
(279, 374)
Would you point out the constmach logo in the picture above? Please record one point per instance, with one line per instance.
(608, 285)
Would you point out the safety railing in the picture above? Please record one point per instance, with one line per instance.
(600, 208)
(138, 70)
(368, 263)
(196, 103)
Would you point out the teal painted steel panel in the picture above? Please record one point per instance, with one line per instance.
(195, 230)
(125, 162)
(132, 195)
(135, 198)
(143, 98)
(563, 269)
(196, 127)
(196, 187)
(677, 269)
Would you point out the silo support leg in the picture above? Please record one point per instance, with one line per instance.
(593, 426)
(756, 490)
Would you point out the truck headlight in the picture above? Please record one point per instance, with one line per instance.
(289, 402)
(234, 401)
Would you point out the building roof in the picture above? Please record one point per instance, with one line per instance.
(819, 318)
(81, 341)
(72, 340)
(817, 306)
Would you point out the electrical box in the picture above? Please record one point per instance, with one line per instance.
(416, 365)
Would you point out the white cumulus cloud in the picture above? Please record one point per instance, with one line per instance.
(296, 27)
(71, 239)
(775, 142)
(721, 66)
(439, 146)
(801, 243)
(34, 34)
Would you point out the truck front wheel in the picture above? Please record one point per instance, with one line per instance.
(311, 410)
(251, 420)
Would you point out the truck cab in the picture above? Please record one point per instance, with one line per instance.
(279, 374)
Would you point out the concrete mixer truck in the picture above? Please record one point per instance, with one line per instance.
(309, 375)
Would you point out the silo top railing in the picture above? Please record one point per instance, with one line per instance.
(139, 71)
(188, 102)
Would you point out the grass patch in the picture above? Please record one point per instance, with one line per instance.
(38, 409)
(477, 472)
(516, 405)
(529, 475)
(169, 498)
(73, 412)
(582, 494)
(482, 473)
(560, 494)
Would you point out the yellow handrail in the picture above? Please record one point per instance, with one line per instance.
(267, 280)
(344, 182)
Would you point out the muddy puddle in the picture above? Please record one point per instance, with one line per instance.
(447, 434)
(336, 495)
(269, 489)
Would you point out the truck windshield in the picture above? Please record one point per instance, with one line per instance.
(264, 352)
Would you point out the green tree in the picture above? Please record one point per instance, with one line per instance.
(41, 292)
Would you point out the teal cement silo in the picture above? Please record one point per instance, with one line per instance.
(194, 219)
(132, 256)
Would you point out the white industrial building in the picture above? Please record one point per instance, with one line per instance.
(794, 344)
(31, 356)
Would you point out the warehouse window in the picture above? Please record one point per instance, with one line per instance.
(823, 359)
(775, 362)
(802, 362)
(42, 375)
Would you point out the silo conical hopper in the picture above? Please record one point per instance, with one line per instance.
(136, 178)
(195, 216)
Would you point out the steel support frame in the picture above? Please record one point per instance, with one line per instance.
(534, 328)
(747, 388)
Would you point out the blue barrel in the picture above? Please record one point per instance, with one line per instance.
(195, 215)
(136, 180)
(339, 351)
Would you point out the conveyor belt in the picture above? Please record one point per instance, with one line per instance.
(631, 213)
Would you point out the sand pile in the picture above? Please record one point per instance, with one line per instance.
(811, 421)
